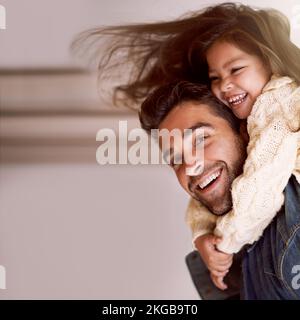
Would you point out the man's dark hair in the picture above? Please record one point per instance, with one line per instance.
(162, 100)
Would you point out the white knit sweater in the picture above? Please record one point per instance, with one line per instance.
(273, 155)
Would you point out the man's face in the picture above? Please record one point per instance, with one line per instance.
(224, 155)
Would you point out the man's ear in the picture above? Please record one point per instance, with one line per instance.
(243, 131)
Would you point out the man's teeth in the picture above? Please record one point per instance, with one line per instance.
(237, 99)
(209, 180)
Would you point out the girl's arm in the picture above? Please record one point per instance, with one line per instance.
(272, 153)
(203, 222)
(199, 219)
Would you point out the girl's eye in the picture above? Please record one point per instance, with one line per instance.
(213, 78)
(234, 70)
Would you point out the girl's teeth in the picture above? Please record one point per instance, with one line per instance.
(237, 99)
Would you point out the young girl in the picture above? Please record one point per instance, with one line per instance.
(248, 59)
(240, 78)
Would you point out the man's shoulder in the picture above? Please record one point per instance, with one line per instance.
(293, 185)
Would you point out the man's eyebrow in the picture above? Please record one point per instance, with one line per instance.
(200, 125)
(229, 62)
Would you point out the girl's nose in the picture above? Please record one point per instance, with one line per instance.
(226, 85)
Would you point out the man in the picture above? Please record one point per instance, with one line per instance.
(270, 266)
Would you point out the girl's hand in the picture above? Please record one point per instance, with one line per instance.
(217, 262)
(219, 282)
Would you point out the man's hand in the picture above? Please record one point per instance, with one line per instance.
(217, 262)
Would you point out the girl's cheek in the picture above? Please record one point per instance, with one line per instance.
(216, 92)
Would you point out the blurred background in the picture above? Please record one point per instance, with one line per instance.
(70, 228)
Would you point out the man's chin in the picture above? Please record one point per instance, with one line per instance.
(219, 212)
(217, 209)
(217, 198)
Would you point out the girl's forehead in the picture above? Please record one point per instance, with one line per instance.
(220, 46)
(225, 53)
(224, 47)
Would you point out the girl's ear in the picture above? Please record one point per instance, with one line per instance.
(243, 131)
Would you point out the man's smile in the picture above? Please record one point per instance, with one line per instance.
(206, 182)
(209, 180)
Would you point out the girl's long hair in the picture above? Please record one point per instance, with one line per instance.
(157, 53)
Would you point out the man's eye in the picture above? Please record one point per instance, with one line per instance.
(200, 139)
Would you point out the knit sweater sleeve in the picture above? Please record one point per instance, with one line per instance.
(257, 194)
(199, 219)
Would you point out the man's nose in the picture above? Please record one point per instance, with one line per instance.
(194, 169)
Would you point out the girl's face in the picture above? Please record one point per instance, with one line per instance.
(237, 78)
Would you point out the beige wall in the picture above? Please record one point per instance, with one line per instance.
(39, 32)
(70, 228)
(90, 232)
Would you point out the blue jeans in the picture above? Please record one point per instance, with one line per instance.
(271, 266)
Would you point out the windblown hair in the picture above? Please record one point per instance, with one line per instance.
(165, 98)
(158, 53)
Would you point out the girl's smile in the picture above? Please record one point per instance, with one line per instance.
(237, 78)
